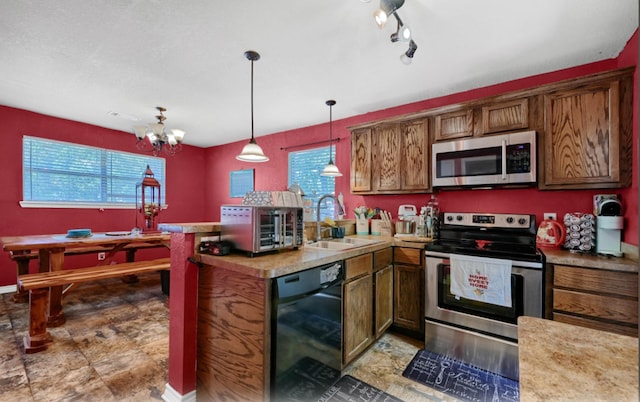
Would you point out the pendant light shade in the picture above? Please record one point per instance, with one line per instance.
(331, 170)
(252, 151)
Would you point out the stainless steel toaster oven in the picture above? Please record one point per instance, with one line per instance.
(259, 229)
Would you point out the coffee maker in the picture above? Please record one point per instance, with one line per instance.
(609, 224)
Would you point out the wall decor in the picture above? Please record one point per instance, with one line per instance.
(241, 182)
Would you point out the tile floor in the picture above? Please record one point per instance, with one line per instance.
(114, 347)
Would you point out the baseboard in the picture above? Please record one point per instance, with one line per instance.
(7, 289)
(171, 395)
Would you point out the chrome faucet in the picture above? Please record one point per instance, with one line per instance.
(340, 212)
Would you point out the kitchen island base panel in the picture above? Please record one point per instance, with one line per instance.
(486, 352)
(233, 348)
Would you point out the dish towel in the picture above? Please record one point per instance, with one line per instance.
(483, 279)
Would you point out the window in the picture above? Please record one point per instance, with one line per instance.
(305, 168)
(70, 175)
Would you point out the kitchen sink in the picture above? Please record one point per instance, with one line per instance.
(355, 241)
(329, 244)
(342, 244)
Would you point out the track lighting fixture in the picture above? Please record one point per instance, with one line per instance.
(252, 151)
(402, 33)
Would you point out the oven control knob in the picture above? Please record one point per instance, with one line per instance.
(510, 219)
(449, 218)
(522, 221)
(459, 218)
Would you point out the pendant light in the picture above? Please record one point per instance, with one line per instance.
(252, 151)
(331, 169)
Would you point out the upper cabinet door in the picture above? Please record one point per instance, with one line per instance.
(586, 135)
(453, 125)
(505, 116)
(387, 159)
(415, 156)
(361, 160)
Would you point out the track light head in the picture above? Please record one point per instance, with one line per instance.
(407, 57)
(387, 7)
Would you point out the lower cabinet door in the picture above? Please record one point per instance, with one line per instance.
(383, 299)
(358, 316)
(408, 309)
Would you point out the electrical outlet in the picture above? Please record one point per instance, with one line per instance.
(550, 215)
(102, 256)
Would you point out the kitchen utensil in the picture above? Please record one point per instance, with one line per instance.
(550, 234)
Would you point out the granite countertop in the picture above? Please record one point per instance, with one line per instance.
(564, 257)
(580, 364)
(283, 262)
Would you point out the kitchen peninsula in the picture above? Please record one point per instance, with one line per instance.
(228, 300)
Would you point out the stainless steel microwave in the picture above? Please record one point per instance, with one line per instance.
(488, 161)
(259, 229)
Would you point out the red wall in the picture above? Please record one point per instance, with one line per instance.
(272, 175)
(185, 194)
(198, 179)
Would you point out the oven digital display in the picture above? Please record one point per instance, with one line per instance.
(484, 219)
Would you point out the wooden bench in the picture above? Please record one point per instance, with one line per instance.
(38, 338)
(22, 258)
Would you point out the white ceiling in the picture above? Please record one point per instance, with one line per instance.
(83, 60)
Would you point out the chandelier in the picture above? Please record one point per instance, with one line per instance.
(156, 137)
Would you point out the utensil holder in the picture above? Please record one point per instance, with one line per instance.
(386, 229)
(376, 227)
(362, 226)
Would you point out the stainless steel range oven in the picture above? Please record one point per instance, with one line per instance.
(478, 332)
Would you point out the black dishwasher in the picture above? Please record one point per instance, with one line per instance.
(306, 332)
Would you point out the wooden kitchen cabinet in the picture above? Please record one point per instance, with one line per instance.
(358, 306)
(454, 125)
(368, 300)
(596, 298)
(587, 134)
(361, 160)
(505, 116)
(383, 290)
(408, 306)
(390, 158)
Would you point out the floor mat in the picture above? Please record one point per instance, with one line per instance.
(459, 379)
(350, 389)
(304, 381)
